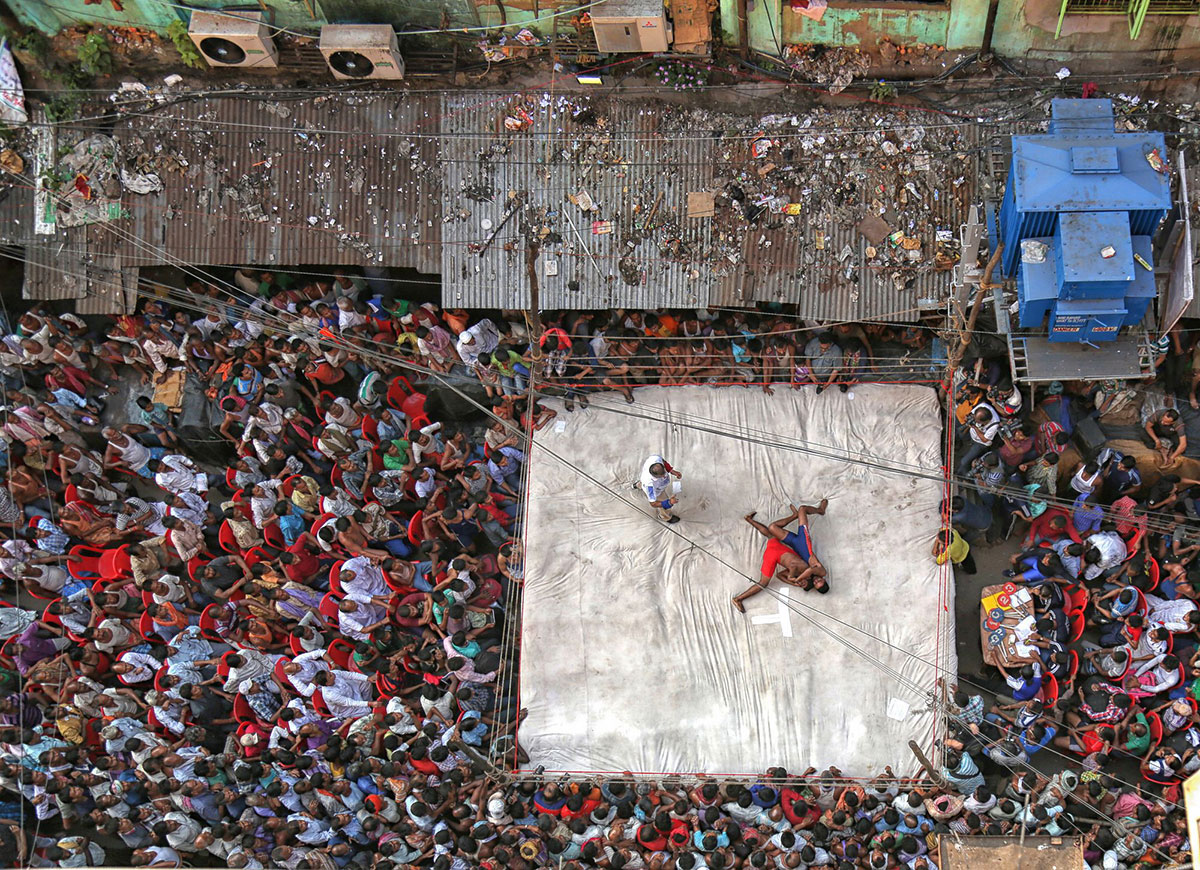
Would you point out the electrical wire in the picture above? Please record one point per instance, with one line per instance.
(726, 430)
(879, 463)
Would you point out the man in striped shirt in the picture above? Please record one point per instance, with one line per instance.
(1051, 438)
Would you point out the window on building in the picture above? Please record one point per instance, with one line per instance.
(1135, 11)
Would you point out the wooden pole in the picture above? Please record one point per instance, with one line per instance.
(934, 775)
(743, 29)
(985, 284)
(534, 314)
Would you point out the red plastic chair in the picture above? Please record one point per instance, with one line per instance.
(399, 390)
(281, 676)
(87, 564)
(335, 582)
(329, 608)
(1133, 542)
(223, 666)
(208, 623)
(1049, 691)
(91, 734)
(295, 646)
(193, 567)
(1154, 572)
(1077, 626)
(1072, 666)
(273, 535)
(242, 711)
(340, 650)
(1142, 606)
(147, 630)
(152, 720)
(158, 678)
(1077, 596)
(288, 486)
(1160, 782)
(1156, 727)
(320, 706)
(414, 408)
(320, 521)
(255, 555)
(51, 618)
(370, 429)
(226, 539)
(416, 530)
(231, 477)
(115, 564)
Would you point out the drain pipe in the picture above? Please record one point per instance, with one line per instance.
(985, 48)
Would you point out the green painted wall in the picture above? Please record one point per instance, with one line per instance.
(967, 21)
(1024, 28)
(865, 26)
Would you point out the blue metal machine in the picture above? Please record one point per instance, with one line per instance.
(1080, 207)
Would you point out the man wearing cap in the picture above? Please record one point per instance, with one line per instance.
(655, 479)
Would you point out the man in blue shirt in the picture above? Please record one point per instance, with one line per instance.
(1123, 479)
(969, 517)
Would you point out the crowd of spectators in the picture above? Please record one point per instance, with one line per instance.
(300, 655)
(1090, 484)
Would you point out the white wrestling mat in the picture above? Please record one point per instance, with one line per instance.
(633, 658)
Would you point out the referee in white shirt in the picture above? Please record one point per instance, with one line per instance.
(655, 482)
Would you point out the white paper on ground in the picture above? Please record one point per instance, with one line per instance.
(897, 709)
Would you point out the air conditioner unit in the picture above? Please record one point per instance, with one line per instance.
(362, 51)
(631, 25)
(233, 39)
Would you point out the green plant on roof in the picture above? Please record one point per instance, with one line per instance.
(63, 107)
(95, 54)
(35, 42)
(881, 90)
(188, 53)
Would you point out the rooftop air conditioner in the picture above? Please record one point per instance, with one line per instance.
(362, 51)
(233, 39)
(631, 25)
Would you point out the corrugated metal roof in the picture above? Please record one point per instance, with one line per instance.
(16, 215)
(54, 269)
(819, 260)
(626, 157)
(622, 157)
(422, 181)
(274, 182)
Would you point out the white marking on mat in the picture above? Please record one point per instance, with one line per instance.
(784, 617)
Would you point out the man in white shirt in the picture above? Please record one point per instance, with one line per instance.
(1112, 553)
(481, 338)
(655, 484)
(303, 669)
(362, 579)
(357, 619)
(1174, 615)
(176, 473)
(1159, 674)
(983, 426)
(345, 693)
